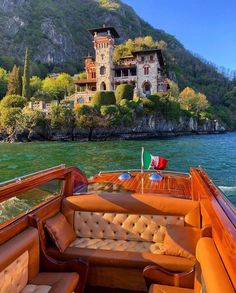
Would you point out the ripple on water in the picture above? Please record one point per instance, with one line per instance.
(216, 153)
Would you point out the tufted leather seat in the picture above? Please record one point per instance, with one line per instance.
(19, 268)
(120, 234)
(214, 278)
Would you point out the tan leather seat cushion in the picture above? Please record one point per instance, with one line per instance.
(181, 241)
(59, 282)
(124, 258)
(36, 289)
(60, 231)
(168, 289)
(117, 245)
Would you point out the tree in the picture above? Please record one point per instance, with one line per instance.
(13, 101)
(19, 81)
(174, 89)
(124, 91)
(82, 75)
(103, 98)
(192, 101)
(90, 118)
(13, 82)
(35, 85)
(62, 116)
(3, 82)
(11, 120)
(58, 87)
(26, 76)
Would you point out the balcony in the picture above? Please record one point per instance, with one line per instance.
(124, 79)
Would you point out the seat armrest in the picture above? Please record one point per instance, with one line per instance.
(154, 274)
(49, 264)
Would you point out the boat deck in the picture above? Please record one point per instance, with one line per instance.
(178, 185)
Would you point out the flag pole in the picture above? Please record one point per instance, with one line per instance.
(142, 163)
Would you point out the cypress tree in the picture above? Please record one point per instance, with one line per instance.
(19, 81)
(26, 76)
(12, 87)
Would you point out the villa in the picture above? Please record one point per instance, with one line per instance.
(143, 69)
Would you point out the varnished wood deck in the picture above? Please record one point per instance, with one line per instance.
(172, 184)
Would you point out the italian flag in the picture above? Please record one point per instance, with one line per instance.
(153, 162)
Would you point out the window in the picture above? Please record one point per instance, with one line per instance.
(27, 201)
(151, 58)
(142, 58)
(147, 88)
(94, 74)
(160, 87)
(102, 56)
(80, 100)
(146, 70)
(103, 86)
(102, 70)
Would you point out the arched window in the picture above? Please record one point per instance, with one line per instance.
(147, 88)
(102, 70)
(103, 86)
(160, 87)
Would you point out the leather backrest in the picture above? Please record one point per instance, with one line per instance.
(214, 276)
(19, 257)
(136, 204)
(123, 226)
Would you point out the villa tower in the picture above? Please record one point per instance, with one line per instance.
(104, 44)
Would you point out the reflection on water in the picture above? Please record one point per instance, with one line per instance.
(215, 153)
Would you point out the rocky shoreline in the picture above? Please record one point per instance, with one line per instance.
(150, 126)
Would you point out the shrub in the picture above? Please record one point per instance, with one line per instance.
(11, 119)
(103, 98)
(148, 105)
(124, 91)
(13, 101)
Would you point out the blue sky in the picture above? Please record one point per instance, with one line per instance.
(205, 27)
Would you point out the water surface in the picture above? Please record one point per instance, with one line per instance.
(216, 153)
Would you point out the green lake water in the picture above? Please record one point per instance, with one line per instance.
(216, 153)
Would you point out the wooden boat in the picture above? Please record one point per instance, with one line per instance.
(120, 231)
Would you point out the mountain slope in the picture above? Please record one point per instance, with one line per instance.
(56, 32)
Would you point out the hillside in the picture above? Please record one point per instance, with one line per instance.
(56, 33)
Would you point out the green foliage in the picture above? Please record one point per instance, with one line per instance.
(82, 75)
(224, 114)
(89, 117)
(58, 87)
(139, 43)
(124, 91)
(111, 114)
(26, 76)
(13, 101)
(148, 105)
(103, 98)
(3, 82)
(35, 85)
(33, 118)
(11, 119)
(62, 117)
(14, 82)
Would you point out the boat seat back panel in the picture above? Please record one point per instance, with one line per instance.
(134, 204)
(16, 250)
(126, 227)
(15, 276)
(215, 277)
